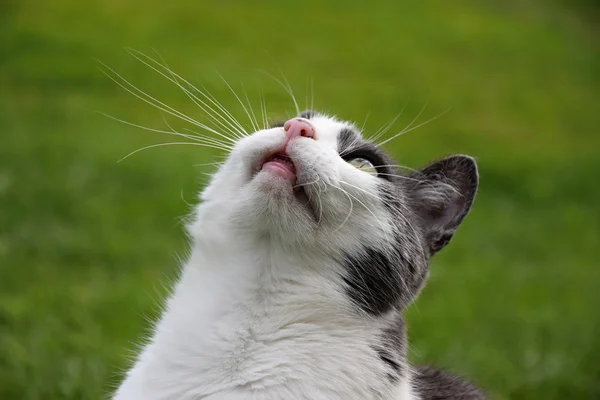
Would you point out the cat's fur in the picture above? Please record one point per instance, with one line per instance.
(299, 295)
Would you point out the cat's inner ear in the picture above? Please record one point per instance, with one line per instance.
(442, 194)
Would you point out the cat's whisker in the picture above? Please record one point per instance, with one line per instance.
(320, 210)
(263, 108)
(384, 202)
(320, 203)
(285, 87)
(365, 286)
(196, 136)
(362, 129)
(399, 166)
(233, 130)
(237, 133)
(156, 103)
(312, 95)
(381, 131)
(211, 164)
(210, 97)
(172, 132)
(306, 103)
(408, 127)
(230, 120)
(365, 191)
(256, 124)
(421, 181)
(306, 183)
(363, 204)
(172, 144)
(410, 123)
(405, 219)
(207, 139)
(290, 91)
(174, 78)
(415, 127)
(351, 207)
(239, 100)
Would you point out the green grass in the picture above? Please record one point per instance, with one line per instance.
(85, 242)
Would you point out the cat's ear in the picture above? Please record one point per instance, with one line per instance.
(442, 194)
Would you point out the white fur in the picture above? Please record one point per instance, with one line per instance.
(259, 311)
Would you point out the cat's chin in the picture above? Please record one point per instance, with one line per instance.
(271, 199)
(280, 188)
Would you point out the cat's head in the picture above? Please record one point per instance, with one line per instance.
(314, 184)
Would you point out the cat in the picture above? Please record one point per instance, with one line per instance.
(307, 245)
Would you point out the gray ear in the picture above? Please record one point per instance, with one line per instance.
(442, 194)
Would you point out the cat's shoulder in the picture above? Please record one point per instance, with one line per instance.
(436, 384)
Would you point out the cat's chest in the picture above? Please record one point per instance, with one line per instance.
(274, 353)
(270, 342)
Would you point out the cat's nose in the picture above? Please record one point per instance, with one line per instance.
(297, 127)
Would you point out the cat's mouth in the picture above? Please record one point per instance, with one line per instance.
(280, 164)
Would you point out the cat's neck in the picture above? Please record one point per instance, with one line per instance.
(251, 315)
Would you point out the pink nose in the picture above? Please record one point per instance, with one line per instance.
(298, 127)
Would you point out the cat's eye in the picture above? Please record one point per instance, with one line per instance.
(363, 164)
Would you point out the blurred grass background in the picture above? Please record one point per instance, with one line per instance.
(85, 242)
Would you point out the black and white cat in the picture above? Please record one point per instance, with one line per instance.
(307, 246)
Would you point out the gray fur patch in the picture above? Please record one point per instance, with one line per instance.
(433, 384)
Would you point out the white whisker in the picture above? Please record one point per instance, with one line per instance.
(381, 131)
(350, 196)
(210, 97)
(306, 183)
(213, 114)
(351, 207)
(312, 96)
(240, 101)
(290, 91)
(420, 181)
(362, 129)
(156, 103)
(207, 139)
(363, 204)
(174, 78)
(230, 120)
(172, 132)
(210, 164)
(287, 89)
(405, 219)
(170, 144)
(250, 107)
(263, 109)
(413, 128)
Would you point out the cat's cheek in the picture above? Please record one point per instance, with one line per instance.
(314, 160)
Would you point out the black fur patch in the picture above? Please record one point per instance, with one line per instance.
(276, 124)
(350, 145)
(374, 279)
(308, 114)
(391, 349)
(346, 139)
(433, 384)
(408, 234)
